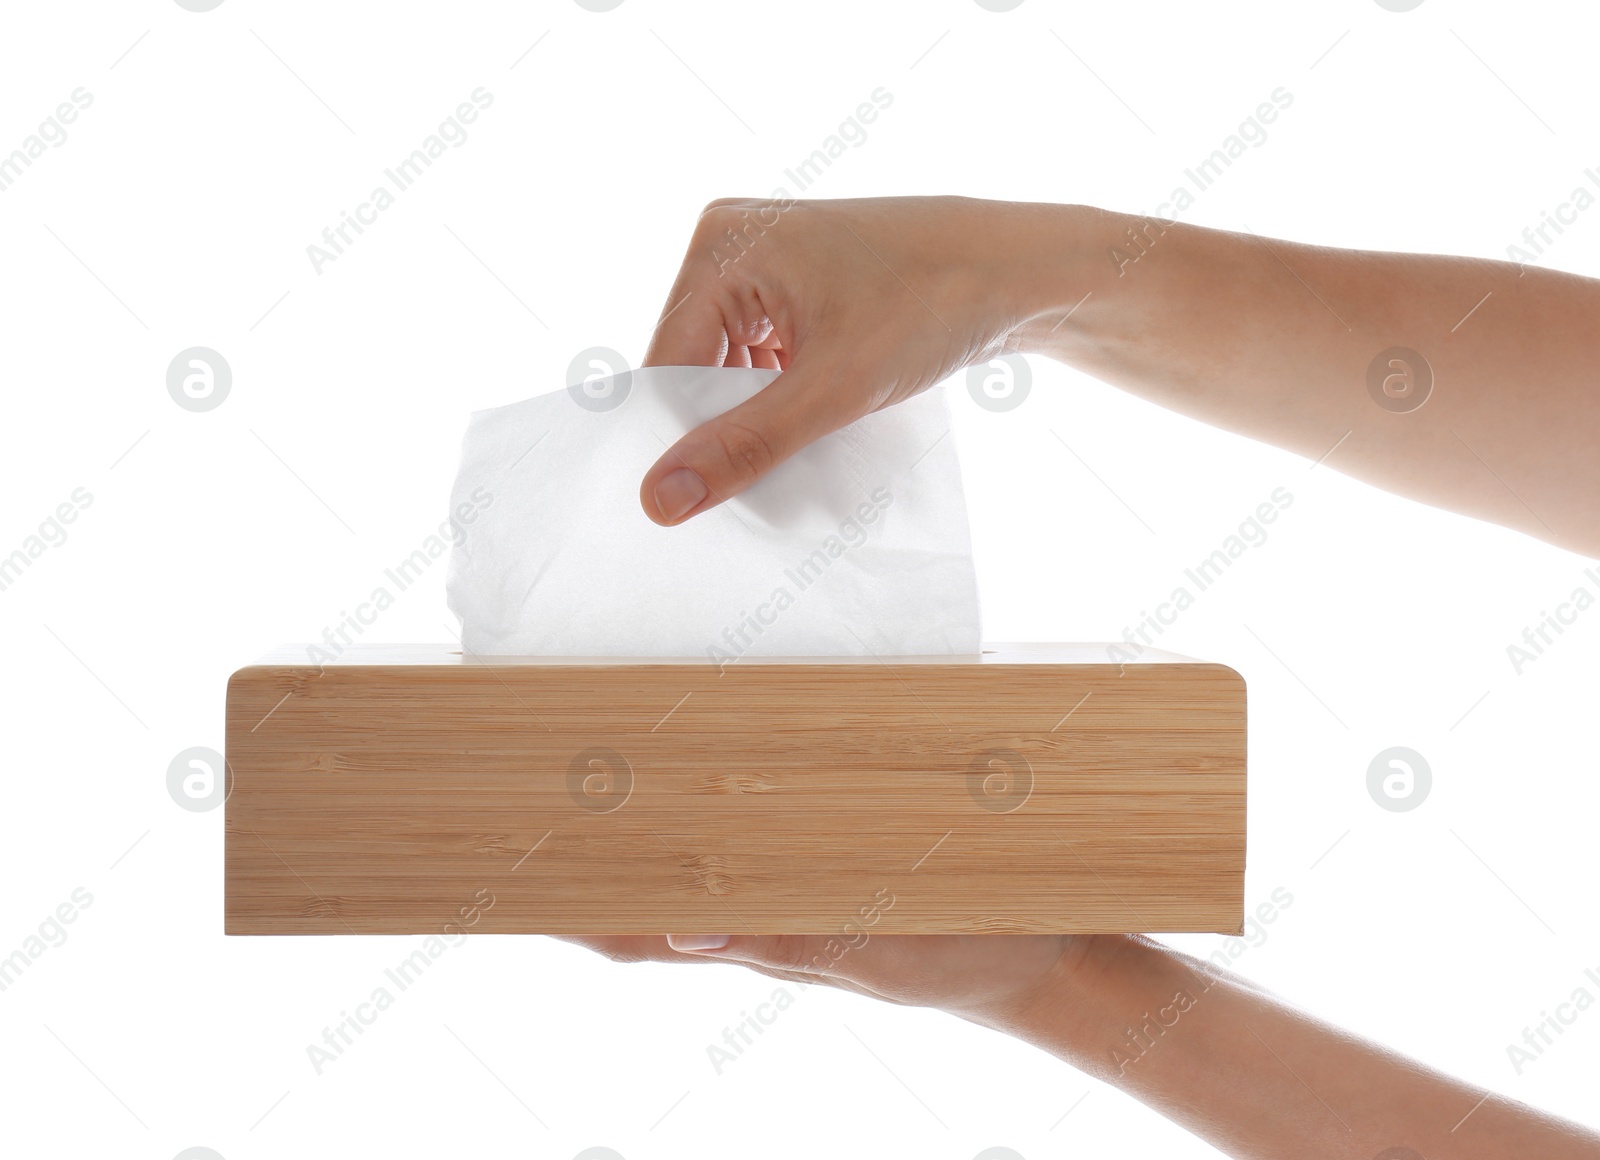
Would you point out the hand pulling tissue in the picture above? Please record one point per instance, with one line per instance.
(856, 546)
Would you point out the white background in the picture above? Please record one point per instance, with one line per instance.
(178, 213)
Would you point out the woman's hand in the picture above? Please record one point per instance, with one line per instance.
(1215, 1053)
(988, 979)
(861, 304)
(864, 303)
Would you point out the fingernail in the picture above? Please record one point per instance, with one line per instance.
(678, 491)
(697, 942)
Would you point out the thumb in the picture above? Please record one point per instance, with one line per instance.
(721, 458)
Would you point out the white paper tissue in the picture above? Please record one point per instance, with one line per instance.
(858, 545)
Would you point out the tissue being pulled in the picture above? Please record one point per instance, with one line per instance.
(857, 545)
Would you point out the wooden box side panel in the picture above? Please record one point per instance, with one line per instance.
(766, 799)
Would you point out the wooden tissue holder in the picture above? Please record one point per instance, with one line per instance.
(408, 789)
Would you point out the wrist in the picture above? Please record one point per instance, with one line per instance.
(1082, 1008)
(1061, 259)
(1064, 989)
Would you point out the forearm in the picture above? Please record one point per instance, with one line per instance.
(1256, 1078)
(1274, 340)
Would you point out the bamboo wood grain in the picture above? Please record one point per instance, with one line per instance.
(1039, 788)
